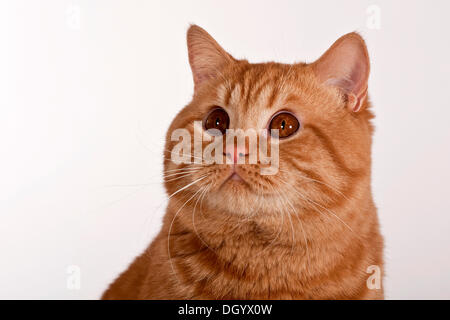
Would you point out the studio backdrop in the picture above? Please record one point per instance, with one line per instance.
(88, 90)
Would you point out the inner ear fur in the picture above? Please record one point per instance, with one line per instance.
(206, 56)
(346, 65)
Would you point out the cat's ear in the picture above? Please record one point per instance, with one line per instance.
(206, 56)
(346, 66)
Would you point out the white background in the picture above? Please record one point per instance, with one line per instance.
(88, 89)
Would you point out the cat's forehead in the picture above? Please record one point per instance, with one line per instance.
(255, 90)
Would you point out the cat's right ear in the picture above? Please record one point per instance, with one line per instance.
(206, 56)
(346, 66)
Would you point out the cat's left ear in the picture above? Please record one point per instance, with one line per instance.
(206, 56)
(346, 66)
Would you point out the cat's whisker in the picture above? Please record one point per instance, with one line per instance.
(201, 198)
(182, 170)
(181, 177)
(128, 195)
(315, 204)
(285, 207)
(161, 147)
(280, 230)
(176, 214)
(149, 219)
(132, 185)
(174, 174)
(170, 230)
(153, 182)
(201, 202)
(293, 234)
(190, 156)
(185, 168)
(288, 215)
(290, 221)
(187, 186)
(332, 213)
(310, 202)
(302, 227)
(317, 181)
(180, 174)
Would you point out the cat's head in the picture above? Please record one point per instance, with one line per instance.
(321, 113)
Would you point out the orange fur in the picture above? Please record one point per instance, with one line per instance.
(308, 232)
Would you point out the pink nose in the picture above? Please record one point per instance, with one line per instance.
(235, 152)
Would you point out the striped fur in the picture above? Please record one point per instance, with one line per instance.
(308, 232)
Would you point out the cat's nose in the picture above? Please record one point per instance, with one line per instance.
(235, 153)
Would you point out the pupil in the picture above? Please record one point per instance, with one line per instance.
(217, 121)
(283, 124)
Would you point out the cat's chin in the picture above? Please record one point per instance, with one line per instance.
(234, 188)
(235, 195)
(234, 184)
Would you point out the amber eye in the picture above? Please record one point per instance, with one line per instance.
(217, 119)
(286, 123)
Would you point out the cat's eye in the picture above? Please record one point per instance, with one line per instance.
(217, 119)
(286, 123)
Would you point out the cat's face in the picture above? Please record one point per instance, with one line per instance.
(323, 144)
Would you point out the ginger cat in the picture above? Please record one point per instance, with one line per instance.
(311, 230)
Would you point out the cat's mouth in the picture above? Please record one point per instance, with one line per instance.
(234, 177)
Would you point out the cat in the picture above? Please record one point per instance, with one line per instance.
(309, 231)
